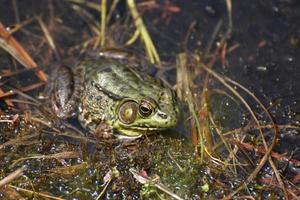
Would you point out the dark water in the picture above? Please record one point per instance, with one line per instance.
(267, 59)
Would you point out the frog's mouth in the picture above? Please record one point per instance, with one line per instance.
(144, 128)
(134, 131)
(126, 136)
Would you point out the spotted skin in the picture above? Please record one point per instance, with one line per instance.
(102, 86)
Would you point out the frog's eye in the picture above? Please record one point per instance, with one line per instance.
(128, 112)
(145, 109)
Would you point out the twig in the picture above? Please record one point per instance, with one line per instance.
(61, 155)
(16, 10)
(181, 66)
(7, 101)
(14, 175)
(176, 163)
(259, 150)
(213, 37)
(279, 179)
(49, 38)
(144, 180)
(19, 141)
(24, 89)
(268, 149)
(107, 179)
(36, 193)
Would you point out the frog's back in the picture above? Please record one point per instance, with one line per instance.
(120, 80)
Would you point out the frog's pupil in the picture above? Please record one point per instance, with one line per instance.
(145, 110)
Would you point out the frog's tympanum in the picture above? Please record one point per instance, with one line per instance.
(108, 92)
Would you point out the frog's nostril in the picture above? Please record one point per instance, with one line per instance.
(162, 115)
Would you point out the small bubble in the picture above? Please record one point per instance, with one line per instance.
(262, 68)
(210, 10)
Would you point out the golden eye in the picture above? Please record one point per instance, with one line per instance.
(145, 109)
(128, 112)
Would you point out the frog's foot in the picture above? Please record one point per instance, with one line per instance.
(66, 91)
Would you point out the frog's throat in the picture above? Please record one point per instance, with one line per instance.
(137, 131)
(127, 137)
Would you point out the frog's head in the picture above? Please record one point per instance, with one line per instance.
(138, 116)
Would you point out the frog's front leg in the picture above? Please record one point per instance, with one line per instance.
(104, 131)
(67, 90)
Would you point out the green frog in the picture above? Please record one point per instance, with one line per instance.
(109, 94)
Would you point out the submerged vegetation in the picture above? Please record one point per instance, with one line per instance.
(223, 148)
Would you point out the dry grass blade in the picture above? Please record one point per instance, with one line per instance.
(133, 38)
(45, 123)
(47, 196)
(14, 175)
(280, 157)
(107, 179)
(79, 136)
(13, 73)
(213, 37)
(68, 171)
(112, 9)
(142, 30)
(20, 25)
(229, 10)
(62, 155)
(9, 119)
(184, 85)
(267, 126)
(279, 179)
(268, 149)
(10, 193)
(228, 147)
(16, 10)
(86, 16)
(23, 89)
(7, 101)
(145, 180)
(175, 161)
(27, 139)
(92, 5)
(49, 38)
(103, 23)
(15, 49)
